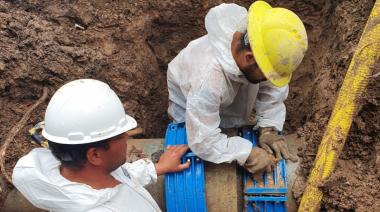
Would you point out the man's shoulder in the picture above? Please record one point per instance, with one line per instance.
(34, 156)
(201, 49)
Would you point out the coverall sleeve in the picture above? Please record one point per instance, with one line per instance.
(270, 107)
(142, 171)
(202, 125)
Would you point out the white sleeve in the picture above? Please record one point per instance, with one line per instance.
(142, 171)
(202, 126)
(100, 208)
(270, 107)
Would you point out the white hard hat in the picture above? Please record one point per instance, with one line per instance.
(85, 111)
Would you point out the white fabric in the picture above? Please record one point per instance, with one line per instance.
(38, 178)
(221, 23)
(208, 91)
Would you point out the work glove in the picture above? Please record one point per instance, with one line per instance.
(259, 161)
(274, 143)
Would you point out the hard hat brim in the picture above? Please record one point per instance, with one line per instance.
(255, 16)
(131, 123)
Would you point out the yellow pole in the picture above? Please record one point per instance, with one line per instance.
(366, 55)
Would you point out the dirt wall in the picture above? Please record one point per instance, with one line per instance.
(128, 44)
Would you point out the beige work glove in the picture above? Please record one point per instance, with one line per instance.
(275, 144)
(259, 161)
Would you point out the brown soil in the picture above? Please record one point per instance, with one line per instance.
(128, 44)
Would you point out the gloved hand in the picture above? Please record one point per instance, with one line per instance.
(275, 144)
(258, 161)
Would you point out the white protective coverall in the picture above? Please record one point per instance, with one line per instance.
(38, 178)
(207, 90)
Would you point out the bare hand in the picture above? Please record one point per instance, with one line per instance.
(170, 160)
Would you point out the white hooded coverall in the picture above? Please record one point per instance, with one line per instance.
(207, 90)
(37, 177)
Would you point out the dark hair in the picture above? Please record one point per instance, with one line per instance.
(75, 156)
(244, 43)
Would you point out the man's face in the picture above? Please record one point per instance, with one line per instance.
(116, 155)
(252, 72)
(245, 60)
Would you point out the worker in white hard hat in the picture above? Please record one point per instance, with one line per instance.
(85, 167)
(245, 61)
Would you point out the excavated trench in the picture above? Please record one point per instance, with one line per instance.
(128, 44)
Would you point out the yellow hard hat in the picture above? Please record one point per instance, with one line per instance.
(278, 40)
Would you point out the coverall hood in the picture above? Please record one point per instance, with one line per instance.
(221, 23)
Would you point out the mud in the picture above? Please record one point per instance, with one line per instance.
(128, 44)
(354, 185)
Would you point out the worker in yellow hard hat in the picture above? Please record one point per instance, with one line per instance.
(275, 43)
(245, 61)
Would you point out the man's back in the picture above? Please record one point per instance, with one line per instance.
(195, 66)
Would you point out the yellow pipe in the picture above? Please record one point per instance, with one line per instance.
(366, 55)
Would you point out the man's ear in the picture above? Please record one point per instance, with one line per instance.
(94, 156)
(249, 58)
